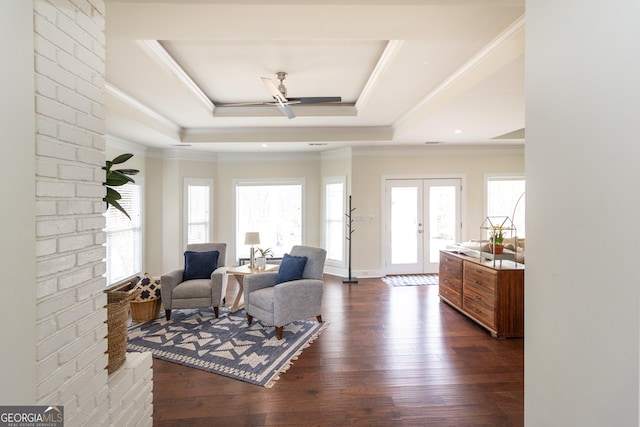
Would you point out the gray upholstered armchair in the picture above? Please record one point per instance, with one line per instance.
(276, 303)
(201, 283)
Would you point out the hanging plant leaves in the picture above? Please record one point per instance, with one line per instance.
(116, 178)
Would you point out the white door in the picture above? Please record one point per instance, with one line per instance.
(422, 217)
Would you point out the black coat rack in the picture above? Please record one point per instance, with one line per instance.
(348, 237)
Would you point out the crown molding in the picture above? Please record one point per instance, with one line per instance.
(505, 37)
(291, 134)
(160, 52)
(132, 102)
(390, 50)
(442, 151)
(267, 157)
(340, 153)
(182, 153)
(126, 146)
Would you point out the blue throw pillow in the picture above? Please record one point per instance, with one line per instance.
(291, 268)
(199, 265)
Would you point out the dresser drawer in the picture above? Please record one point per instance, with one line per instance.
(480, 305)
(480, 277)
(452, 294)
(450, 282)
(450, 266)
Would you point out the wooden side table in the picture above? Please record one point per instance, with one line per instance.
(239, 273)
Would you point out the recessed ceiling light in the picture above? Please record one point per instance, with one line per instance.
(264, 145)
(433, 142)
(457, 131)
(318, 143)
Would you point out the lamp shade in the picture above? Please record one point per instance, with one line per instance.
(252, 238)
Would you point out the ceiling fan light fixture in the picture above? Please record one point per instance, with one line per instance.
(281, 75)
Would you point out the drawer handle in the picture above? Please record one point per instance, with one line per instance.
(446, 280)
(475, 310)
(477, 282)
(478, 297)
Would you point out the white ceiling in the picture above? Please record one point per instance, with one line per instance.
(408, 71)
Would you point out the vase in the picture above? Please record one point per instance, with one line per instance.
(496, 249)
(261, 262)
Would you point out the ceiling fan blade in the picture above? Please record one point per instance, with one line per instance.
(245, 104)
(273, 89)
(317, 99)
(286, 110)
(281, 101)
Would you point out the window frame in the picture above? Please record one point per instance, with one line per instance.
(326, 182)
(505, 177)
(238, 240)
(139, 263)
(199, 182)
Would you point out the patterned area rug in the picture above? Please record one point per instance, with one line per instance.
(412, 280)
(225, 346)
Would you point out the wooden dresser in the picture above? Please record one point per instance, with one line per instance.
(491, 295)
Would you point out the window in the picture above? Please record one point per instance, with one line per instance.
(334, 213)
(505, 197)
(274, 209)
(124, 235)
(197, 215)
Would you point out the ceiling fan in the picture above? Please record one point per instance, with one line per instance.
(280, 100)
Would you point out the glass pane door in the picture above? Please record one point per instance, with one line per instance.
(406, 201)
(412, 247)
(443, 222)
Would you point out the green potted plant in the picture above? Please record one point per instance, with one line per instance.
(261, 261)
(116, 178)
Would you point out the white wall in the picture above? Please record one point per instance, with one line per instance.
(17, 218)
(164, 206)
(582, 289)
(52, 256)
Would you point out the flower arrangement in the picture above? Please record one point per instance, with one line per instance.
(497, 236)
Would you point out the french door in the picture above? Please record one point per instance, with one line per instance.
(422, 217)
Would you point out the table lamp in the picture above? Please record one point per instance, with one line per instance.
(252, 238)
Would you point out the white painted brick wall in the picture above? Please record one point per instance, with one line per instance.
(71, 355)
(130, 391)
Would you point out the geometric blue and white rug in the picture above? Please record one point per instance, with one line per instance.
(226, 345)
(412, 280)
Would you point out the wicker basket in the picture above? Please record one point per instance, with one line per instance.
(144, 311)
(117, 317)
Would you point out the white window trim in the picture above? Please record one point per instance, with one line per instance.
(203, 182)
(498, 177)
(326, 181)
(267, 181)
(139, 180)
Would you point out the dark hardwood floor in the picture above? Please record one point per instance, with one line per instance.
(392, 356)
